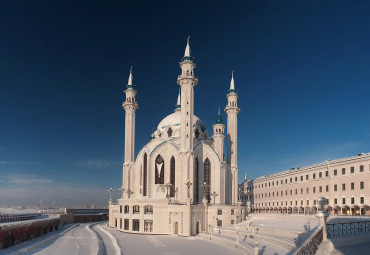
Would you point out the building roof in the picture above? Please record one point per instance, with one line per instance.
(311, 167)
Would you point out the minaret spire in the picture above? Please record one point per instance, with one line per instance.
(187, 49)
(129, 83)
(232, 85)
(178, 105)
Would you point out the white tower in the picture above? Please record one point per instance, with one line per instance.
(218, 135)
(187, 81)
(232, 111)
(130, 106)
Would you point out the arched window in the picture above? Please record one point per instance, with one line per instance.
(172, 177)
(145, 175)
(196, 180)
(159, 170)
(169, 132)
(207, 177)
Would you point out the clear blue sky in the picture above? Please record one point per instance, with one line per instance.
(301, 69)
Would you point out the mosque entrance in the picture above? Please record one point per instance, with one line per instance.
(176, 228)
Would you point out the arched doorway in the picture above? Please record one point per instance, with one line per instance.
(176, 228)
(197, 228)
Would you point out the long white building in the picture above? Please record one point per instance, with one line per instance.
(345, 182)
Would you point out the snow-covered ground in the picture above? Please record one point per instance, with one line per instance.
(284, 222)
(98, 239)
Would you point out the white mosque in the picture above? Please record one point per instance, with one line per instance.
(180, 183)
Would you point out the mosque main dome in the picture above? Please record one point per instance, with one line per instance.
(173, 122)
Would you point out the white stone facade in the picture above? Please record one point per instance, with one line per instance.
(180, 182)
(344, 182)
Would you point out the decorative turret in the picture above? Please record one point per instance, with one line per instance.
(218, 135)
(219, 119)
(178, 105)
(232, 111)
(187, 56)
(129, 83)
(232, 85)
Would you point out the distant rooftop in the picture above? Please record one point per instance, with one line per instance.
(325, 163)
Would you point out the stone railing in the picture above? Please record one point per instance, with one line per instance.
(347, 228)
(17, 217)
(310, 246)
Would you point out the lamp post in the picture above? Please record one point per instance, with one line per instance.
(110, 190)
(188, 185)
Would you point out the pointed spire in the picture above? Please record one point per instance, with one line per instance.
(187, 49)
(130, 77)
(232, 87)
(178, 105)
(219, 119)
(179, 99)
(245, 176)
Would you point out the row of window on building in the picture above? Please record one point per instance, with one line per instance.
(148, 225)
(353, 201)
(314, 176)
(148, 209)
(335, 188)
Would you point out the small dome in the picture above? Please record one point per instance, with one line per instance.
(219, 120)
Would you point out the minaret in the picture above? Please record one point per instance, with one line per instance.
(232, 111)
(218, 135)
(187, 81)
(130, 106)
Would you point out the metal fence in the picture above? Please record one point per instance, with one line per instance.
(310, 246)
(341, 229)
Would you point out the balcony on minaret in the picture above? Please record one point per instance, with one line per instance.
(130, 101)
